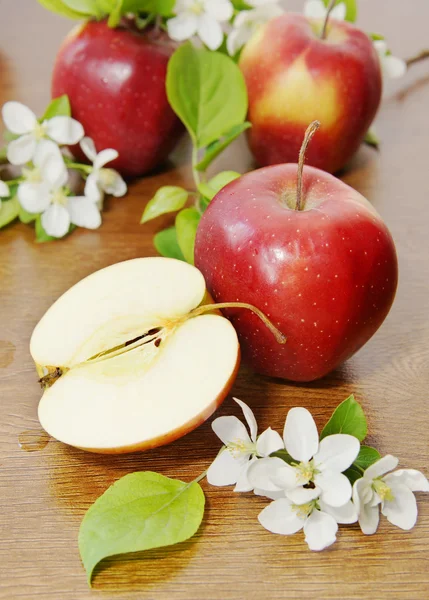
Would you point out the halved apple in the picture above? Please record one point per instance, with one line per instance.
(126, 363)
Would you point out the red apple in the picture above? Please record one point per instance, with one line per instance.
(115, 80)
(293, 77)
(325, 275)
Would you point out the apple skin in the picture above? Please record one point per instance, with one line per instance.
(326, 276)
(115, 80)
(293, 77)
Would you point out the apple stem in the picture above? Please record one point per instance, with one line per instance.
(281, 339)
(328, 14)
(311, 130)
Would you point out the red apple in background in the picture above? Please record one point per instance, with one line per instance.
(293, 77)
(115, 80)
(325, 275)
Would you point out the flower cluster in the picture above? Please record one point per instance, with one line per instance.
(306, 478)
(43, 188)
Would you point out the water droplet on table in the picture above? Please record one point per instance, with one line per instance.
(33, 440)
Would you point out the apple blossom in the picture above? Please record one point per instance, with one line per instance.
(391, 66)
(202, 18)
(392, 491)
(43, 191)
(21, 121)
(100, 179)
(241, 450)
(4, 190)
(248, 21)
(316, 9)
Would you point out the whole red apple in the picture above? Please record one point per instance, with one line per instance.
(115, 80)
(325, 275)
(293, 77)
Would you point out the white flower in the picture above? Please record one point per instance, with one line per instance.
(202, 18)
(394, 492)
(102, 180)
(232, 464)
(316, 495)
(391, 66)
(247, 22)
(316, 9)
(43, 192)
(4, 190)
(20, 120)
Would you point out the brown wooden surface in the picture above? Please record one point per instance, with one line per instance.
(44, 495)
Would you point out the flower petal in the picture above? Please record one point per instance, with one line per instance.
(64, 130)
(22, 150)
(243, 483)
(83, 212)
(262, 471)
(369, 517)
(250, 418)
(320, 530)
(210, 31)
(302, 495)
(336, 488)
(237, 38)
(268, 442)
(381, 467)
(342, 514)
(278, 517)
(225, 469)
(300, 434)
(394, 67)
(182, 27)
(56, 220)
(268, 494)
(337, 452)
(4, 189)
(104, 157)
(314, 9)
(230, 429)
(288, 477)
(112, 182)
(51, 164)
(402, 511)
(412, 479)
(92, 189)
(88, 148)
(221, 10)
(18, 118)
(34, 197)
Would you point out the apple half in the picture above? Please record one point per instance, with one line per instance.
(125, 363)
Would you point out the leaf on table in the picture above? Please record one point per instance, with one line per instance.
(167, 199)
(217, 147)
(366, 457)
(140, 511)
(186, 229)
(207, 91)
(25, 216)
(167, 245)
(9, 211)
(348, 418)
(41, 235)
(59, 107)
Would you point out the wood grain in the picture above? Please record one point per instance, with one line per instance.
(45, 494)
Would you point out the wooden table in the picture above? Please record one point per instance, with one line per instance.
(45, 494)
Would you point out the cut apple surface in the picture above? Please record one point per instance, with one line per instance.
(126, 364)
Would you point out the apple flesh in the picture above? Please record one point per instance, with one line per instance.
(294, 77)
(125, 363)
(326, 275)
(115, 80)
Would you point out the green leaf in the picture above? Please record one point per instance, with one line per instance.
(376, 37)
(367, 456)
(219, 181)
(372, 139)
(353, 473)
(241, 5)
(86, 7)
(25, 216)
(215, 148)
(186, 229)
(166, 243)
(9, 210)
(198, 83)
(159, 7)
(284, 455)
(60, 8)
(41, 235)
(59, 107)
(349, 418)
(167, 199)
(3, 154)
(351, 9)
(139, 512)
